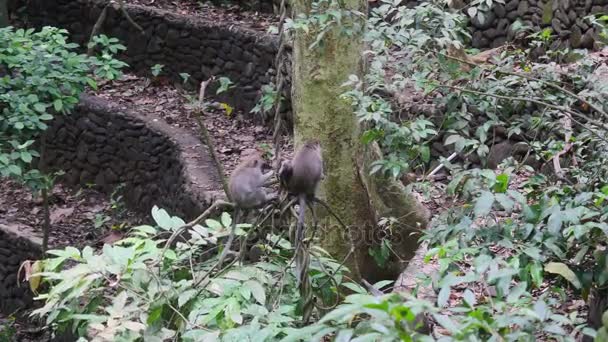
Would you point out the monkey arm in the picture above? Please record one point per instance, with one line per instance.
(266, 176)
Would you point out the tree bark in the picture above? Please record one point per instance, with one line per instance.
(3, 13)
(359, 199)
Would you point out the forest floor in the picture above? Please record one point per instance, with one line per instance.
(230, 14)
(234, 135)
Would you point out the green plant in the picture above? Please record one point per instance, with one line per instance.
(600, 21)
(156, 69)
(184, 76)
(42, 77)
(138, 288)
(8, 331)
(267, 101)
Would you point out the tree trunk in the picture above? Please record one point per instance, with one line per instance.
(3, 13)
(359, 199)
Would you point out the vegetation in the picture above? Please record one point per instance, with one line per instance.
(43, 77)
(514, 249)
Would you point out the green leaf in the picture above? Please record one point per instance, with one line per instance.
(563, 270)
(555, 222)
(425, 153)
(26, 156)
(533, 252)
(154, 315)
(39, 107)
(444, 296)
(484, 204)
(536, 272)
(453, 139)
(447, 323)
(58, 105)
(516, 292)
(502, 183)
(505, 201)
(226, 219)
(45, 117)
(257, 290)
(185, 297)
(162, 218)
(469, 298)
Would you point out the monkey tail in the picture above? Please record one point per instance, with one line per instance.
(302, 261)
(300, 223)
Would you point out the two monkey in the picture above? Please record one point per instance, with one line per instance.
(300, 177)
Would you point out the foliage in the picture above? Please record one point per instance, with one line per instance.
(501, 240)
(156, 69)
(267, 101)
(137, 289)
(42, 76)
(600, 21)
(8, 331)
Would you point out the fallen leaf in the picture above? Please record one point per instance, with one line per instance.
(57, 215)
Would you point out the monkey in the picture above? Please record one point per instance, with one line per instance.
(301, 177)
(246, 187)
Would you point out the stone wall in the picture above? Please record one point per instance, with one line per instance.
(17, 244)
(106, 145)
(182, 43)
(565, 17)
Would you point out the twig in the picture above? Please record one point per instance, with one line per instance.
(97, 28)
(191, 224)
(128, 17)
(198, 113)
(102, 18)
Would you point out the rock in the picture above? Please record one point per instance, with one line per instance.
(161, 30)
(499, 41)
(580, 22)
(502, 26)
(511, 5)
(478, 40)
(556, 25)
(500, 10)
(587, 39)
(576, 37)
(547, 13)
(512, 16)
(522, 8)
(488, 20)
(490, 33)
(596, 9)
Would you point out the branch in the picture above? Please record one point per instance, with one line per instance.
(191, 224)
(198, 111)
(97, 28)
(530, 78)
(102, 18)
(565, 110)
(121, 4)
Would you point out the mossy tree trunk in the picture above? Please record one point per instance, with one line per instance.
(360, 200)
(3, 13)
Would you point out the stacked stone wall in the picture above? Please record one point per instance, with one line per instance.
(564, 17)
(105, 145)
(17, 244)
(181, 43)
